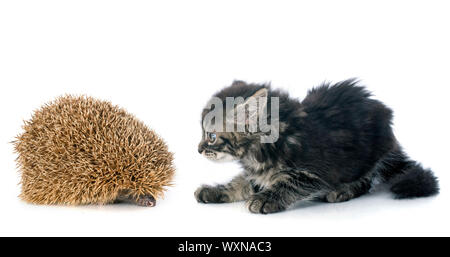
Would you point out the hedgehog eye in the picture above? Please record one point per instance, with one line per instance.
(211, 137)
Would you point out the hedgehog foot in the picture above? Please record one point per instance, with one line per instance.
(146, 201)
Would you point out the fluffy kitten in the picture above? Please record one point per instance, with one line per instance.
(334, 145)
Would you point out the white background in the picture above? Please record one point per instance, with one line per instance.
(163, 60)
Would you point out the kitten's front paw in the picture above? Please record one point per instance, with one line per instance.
(208, 194)
(264, 205)
(338, 196)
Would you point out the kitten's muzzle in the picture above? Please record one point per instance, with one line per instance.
(209, 154)
(201, 147)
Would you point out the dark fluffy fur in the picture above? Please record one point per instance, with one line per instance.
(334, 145)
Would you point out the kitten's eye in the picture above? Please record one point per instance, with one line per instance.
(211, 137)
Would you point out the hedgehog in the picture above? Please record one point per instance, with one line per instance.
(78, 150)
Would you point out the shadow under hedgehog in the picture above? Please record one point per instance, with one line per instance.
(333, 146)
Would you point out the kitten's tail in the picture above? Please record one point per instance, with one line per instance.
(415, 181)
(407, 179)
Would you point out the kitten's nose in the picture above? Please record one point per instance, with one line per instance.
(201, 147)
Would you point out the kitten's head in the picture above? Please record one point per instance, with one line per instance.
(221, 144)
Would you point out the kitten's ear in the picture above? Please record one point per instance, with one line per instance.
(256, 105)
(261, 93)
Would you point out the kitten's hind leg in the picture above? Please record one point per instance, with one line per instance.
(348, 191)
(238, 189)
